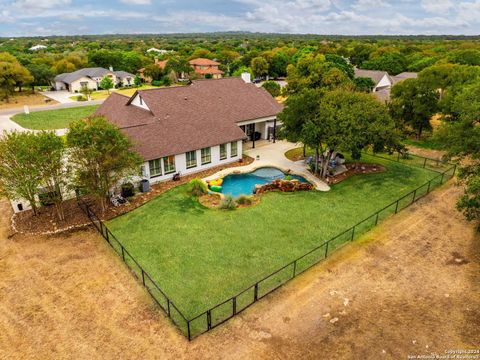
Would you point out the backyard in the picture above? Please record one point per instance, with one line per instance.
(53, 119)
(201, 257)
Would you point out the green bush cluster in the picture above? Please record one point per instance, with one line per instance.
(197, 187)
(244, 200)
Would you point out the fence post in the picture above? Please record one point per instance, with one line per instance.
(353, 233)
(414, 194)
(234, 304)
(168, 307)
(108, 236)
(396, 207)
(294, 268)
(209, 319)
(424, 163)
(255, 292)
(441, 180)
(376, 219)
(188, 331)
(143, 277)
(326, 249)
(123, 253)
(454, 170)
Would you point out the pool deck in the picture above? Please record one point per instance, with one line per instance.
(273, 155)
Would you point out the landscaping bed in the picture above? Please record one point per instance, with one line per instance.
(44, 222)
(355, 169)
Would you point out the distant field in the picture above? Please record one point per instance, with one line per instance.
(53, 119)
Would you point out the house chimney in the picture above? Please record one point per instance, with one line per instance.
(110, 68)
(246, 77)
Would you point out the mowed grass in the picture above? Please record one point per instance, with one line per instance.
(201, 257)
(53, 119)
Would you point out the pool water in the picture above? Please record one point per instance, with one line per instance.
(244, 184)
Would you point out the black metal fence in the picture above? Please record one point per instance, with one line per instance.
(242, 300)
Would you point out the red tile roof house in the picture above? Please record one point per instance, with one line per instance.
(191, 128)
(201, 67)
(204, 67)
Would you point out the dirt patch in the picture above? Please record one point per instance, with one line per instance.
(429, 153)
(387, 296)
(45, 221)
(26, 98)
(355, 169)
(210, 200)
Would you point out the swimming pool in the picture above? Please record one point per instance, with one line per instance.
(244, 184)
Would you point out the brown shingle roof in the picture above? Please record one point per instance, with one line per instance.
(203, 61)
(191, 117)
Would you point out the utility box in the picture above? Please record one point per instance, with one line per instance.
(144, 186)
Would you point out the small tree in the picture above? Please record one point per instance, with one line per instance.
(86, 92)
(101, 156)
(19, 172)
(259, 66)
(413, 104)
(52, 168)
(137, 81)
(106, 83)
(272, 87)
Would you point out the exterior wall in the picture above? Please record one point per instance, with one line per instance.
(181, 164)
(60, 86)
(75, 86)
(384, 82)
(136, 102)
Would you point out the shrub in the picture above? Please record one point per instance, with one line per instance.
(272, 87)
(228, 203)
(81, 98)
(244, 200)
(197, 187)
(156, 83)
(288, 177)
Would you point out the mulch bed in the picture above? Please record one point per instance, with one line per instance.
(355, 169)
(45, 221)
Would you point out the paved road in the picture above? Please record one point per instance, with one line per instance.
(8, 125)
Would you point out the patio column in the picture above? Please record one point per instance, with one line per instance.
(274, 129)
(253, 137)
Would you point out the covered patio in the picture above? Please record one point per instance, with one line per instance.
(259, 131)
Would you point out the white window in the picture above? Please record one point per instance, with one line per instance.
(223, 151)
(191, 159)
(155, 168)
(169, 164)
(206, 156)
(233, 149)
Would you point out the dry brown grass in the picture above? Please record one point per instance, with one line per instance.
(410, 287)
(25, 98)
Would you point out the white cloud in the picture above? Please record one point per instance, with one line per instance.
(136, 2)
(370, 4)
(437, 6)
(39, 4)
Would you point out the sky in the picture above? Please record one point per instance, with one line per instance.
(346, 17)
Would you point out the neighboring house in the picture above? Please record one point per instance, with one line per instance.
(37, 47)
(202, 67)
(159, 51)
(187, 129)
(205, 67)
(383, 81)
(90, 77)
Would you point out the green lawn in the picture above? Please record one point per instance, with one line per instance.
(53, 119)
(201, 257)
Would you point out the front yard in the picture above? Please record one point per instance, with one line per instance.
(53, 119)
(201, 257)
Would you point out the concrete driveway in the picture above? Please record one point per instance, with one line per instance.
(63, 96)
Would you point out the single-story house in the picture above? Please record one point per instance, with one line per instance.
(383, 81)
(187, 129)
(91, 77)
